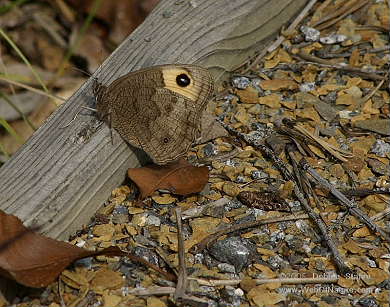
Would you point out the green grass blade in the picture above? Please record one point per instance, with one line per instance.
(16, 108)
(10, 130)
(2, 149)
(25, 60)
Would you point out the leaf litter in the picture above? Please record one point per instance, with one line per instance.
(308, 129)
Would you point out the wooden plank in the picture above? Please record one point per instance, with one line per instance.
(60, 177)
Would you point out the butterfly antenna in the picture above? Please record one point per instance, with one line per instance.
(75, 117)
(82, 71)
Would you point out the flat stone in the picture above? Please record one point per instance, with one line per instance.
(235, 250)
(381, 126)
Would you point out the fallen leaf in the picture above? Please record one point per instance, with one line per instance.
(34, 260)
(107, 279)
(179, 178)
(278, 84)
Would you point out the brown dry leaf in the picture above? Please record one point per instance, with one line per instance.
(155, 302)
(278, 84)
(261, 296)
(249, 95)
(178, 177)
(31, 259)
(107, 279)
(352, 247)
(272, 101)
(36, 261)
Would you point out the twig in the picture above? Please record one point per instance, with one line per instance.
(222, 156)
(192, 300)
(213, 237)
(285, 281)
(281, 38)
(347, 54)
(350, 205)
(338, 153)
(32, 89)
(18, 110)
(181, 285)
(366, 192)
(164, 257)
(311, 59)
(264, 149)
(318, 11)
(288, 176)
(152, 291)
(61, 292)
(362, 100)
(341, 14)
(302, 184)
(115, 251)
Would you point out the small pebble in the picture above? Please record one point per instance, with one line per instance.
(210, 150)
(333, 39)
(311, 34)
(256, 175)
(84, 262)
(380, 148)
(226, 268)
(307, 87)
(368, 302)
(153, 220)
(120, 215)
(234, 250)
(385, 284)
(240, 82)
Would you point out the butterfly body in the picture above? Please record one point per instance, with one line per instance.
(157, 109)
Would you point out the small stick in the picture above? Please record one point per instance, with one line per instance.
(268, 152)
(336, 13)
(350, 10)
(281, 38)
(152, 291)
(302, 184)
(350, 205)
(285, 281)
(362, 100)
(311, 59)
(214, 237)
(366, 192)
(182, 276)
(362, 51)
(33, 89)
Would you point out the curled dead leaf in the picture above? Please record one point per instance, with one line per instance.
(178, 177)
(34, 260)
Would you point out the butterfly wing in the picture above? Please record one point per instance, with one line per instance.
(150, 111)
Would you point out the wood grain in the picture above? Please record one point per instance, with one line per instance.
(60, 177)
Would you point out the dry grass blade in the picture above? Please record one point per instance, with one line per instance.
(182, 275)
(280, 39)
(32, 89)
(285, 281)
(338, 153)
(340, 14)
(213, 237)
(10, 130)
(353, 208)
(25, 60)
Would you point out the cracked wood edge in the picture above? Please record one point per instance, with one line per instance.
(60, 177)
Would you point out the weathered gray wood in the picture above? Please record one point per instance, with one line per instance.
(60, 177)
